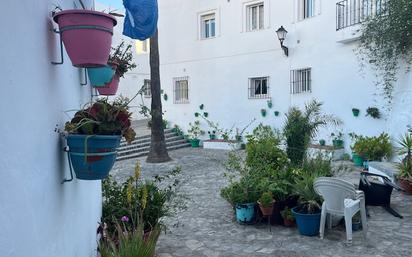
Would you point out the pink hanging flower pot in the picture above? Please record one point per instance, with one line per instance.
(86, 35)
(111, 87)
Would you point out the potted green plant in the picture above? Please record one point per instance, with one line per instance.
(270, 104)
(263, 112)
(337, 140)
(121, 61)
(89, 47)
(266, 203)
(288, 219)
(212, 134)
(373, 112)
(307, 213)
(373, 148)
(276, 113)
(322, 142)
(194, 132)
(94, 133)
(404, 175)
(355, 112)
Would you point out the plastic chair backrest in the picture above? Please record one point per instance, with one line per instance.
(334, 191)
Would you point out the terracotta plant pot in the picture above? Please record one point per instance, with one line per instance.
(86, 35)
(289, 223)
(266, 211)
(110, 88)
(406, 185)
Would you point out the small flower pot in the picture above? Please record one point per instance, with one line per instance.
(405, 185)
(266, 211)
(337, 143)
(357, 160)
(92, 156)
(86, 35)
(355, 112)
(100, 76)
(308, 224)
(195, 143)
(245, 212)
(289, 223)
(276, 113)
(322, 142)
(356, 225)
(111, 87)
(212, 137)
(263, 112)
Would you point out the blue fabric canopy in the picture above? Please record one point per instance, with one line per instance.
(141, 18)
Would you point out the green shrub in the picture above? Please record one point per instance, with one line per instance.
(301, 127)
(373, 148)
(318, 165)
(239, 192)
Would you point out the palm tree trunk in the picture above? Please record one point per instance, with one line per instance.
(158, 152)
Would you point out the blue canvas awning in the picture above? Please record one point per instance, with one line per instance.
(141, 18)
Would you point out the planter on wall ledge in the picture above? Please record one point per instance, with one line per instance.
(92, 156)
(322, 142)
(355, 112)
(100, 76)
(110, 88)
(195, 143)
(86, 35)
(337, 143)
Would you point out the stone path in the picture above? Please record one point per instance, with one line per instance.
(208, 228)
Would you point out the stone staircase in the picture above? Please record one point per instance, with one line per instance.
(140, 146)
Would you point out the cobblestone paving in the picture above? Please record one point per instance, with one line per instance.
(208, 228)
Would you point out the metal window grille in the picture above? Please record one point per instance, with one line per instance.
(352, 12)
(307, 9)
(147, 89)
(181, 90)
(300, 81)
(258, 88)
(255, 16)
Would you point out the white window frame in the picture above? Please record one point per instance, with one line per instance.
(180, 95)
(301, 12)
(253, 82)
(209, 19)
(260, 21)
(147, 88)
(301, 81)
(200, 28)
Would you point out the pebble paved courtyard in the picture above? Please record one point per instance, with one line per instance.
(207, 227)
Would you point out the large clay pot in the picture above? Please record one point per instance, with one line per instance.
(86, 35)
(406, 185)
(266, 211)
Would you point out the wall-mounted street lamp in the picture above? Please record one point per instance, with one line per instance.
(281, 32)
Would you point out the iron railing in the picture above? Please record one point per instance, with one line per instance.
(352, 12)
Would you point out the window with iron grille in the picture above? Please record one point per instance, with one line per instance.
(255, 16)
(147, 89)
(208, 26)
(259, 87)
(181, 90)
(300, 81)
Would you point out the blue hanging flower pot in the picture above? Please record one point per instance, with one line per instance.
(100, 76)
(92, 156)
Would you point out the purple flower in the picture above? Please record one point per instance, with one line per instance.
(125, 219)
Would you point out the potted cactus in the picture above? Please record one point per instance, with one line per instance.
(93, 135)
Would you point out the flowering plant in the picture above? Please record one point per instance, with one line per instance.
(122, 56)
(103, 118)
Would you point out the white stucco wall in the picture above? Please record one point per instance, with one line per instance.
(219, 68)
(39, 217)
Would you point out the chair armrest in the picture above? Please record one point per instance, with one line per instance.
(359, 194)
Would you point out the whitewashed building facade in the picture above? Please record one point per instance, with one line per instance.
(226, 55)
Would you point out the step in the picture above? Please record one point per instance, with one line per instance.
(144, 153)
(146, 137)
(138, 144)
(146, 147)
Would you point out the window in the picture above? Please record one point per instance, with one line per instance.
(258, 87)
(300, 81)
(306, 9)
(208, 26)
(181, 90)
(147, 90)
(255, 15)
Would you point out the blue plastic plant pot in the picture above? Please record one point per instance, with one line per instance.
(308, 224)
(100, 76)
(245, 212)
(92, 156)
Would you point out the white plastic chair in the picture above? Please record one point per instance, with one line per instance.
(340, 199)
